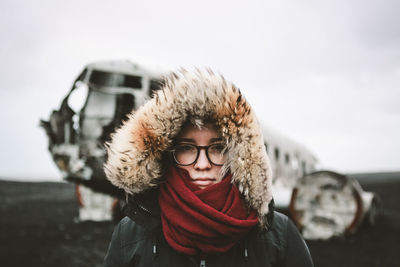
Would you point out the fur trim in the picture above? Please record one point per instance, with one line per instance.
(137, 147)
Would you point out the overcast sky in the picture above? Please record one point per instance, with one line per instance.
(325, 73)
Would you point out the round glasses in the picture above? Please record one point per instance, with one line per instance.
(187, 154)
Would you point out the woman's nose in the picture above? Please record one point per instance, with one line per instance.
(202, 161)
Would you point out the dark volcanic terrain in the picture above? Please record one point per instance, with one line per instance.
(38, 228)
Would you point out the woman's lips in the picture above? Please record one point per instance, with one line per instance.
(203, 182)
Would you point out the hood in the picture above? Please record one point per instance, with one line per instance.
(137, 148)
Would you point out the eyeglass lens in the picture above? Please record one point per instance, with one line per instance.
(187, 154)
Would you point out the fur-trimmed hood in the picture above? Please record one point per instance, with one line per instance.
(136, 150)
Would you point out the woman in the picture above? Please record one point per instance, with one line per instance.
(198, 182)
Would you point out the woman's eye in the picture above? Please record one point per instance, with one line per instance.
(217, 148)
(184, 147)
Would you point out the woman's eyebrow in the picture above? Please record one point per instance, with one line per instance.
(219, 139)
(189, 140)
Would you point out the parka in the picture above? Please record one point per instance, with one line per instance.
(136, 163)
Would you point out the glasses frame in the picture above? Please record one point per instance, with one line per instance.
(198, 154)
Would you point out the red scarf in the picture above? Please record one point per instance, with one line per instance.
(208, 221)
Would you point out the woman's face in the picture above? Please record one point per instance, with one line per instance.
(202, 172)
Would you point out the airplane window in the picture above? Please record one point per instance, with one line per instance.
(154, 86)
(266, 147)
(287, 158)
(132, 81)
(103, 78)
(277, 153)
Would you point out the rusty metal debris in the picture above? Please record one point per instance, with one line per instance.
(326, 204)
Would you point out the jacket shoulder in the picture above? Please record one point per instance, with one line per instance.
(277, 230)
(131, 232)
(287, 241)
(126, 239)
(280, 222)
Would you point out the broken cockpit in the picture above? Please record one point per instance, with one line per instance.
(97, 103)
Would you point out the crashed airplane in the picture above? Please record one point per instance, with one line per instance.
(323, 204)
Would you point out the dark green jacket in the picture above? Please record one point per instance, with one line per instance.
(138, 241)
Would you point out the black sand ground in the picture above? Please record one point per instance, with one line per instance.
(37, 228)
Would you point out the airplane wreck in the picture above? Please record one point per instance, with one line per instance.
(323, 204)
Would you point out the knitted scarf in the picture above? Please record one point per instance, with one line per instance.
(202, 221)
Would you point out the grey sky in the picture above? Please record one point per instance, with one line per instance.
(325, 73)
